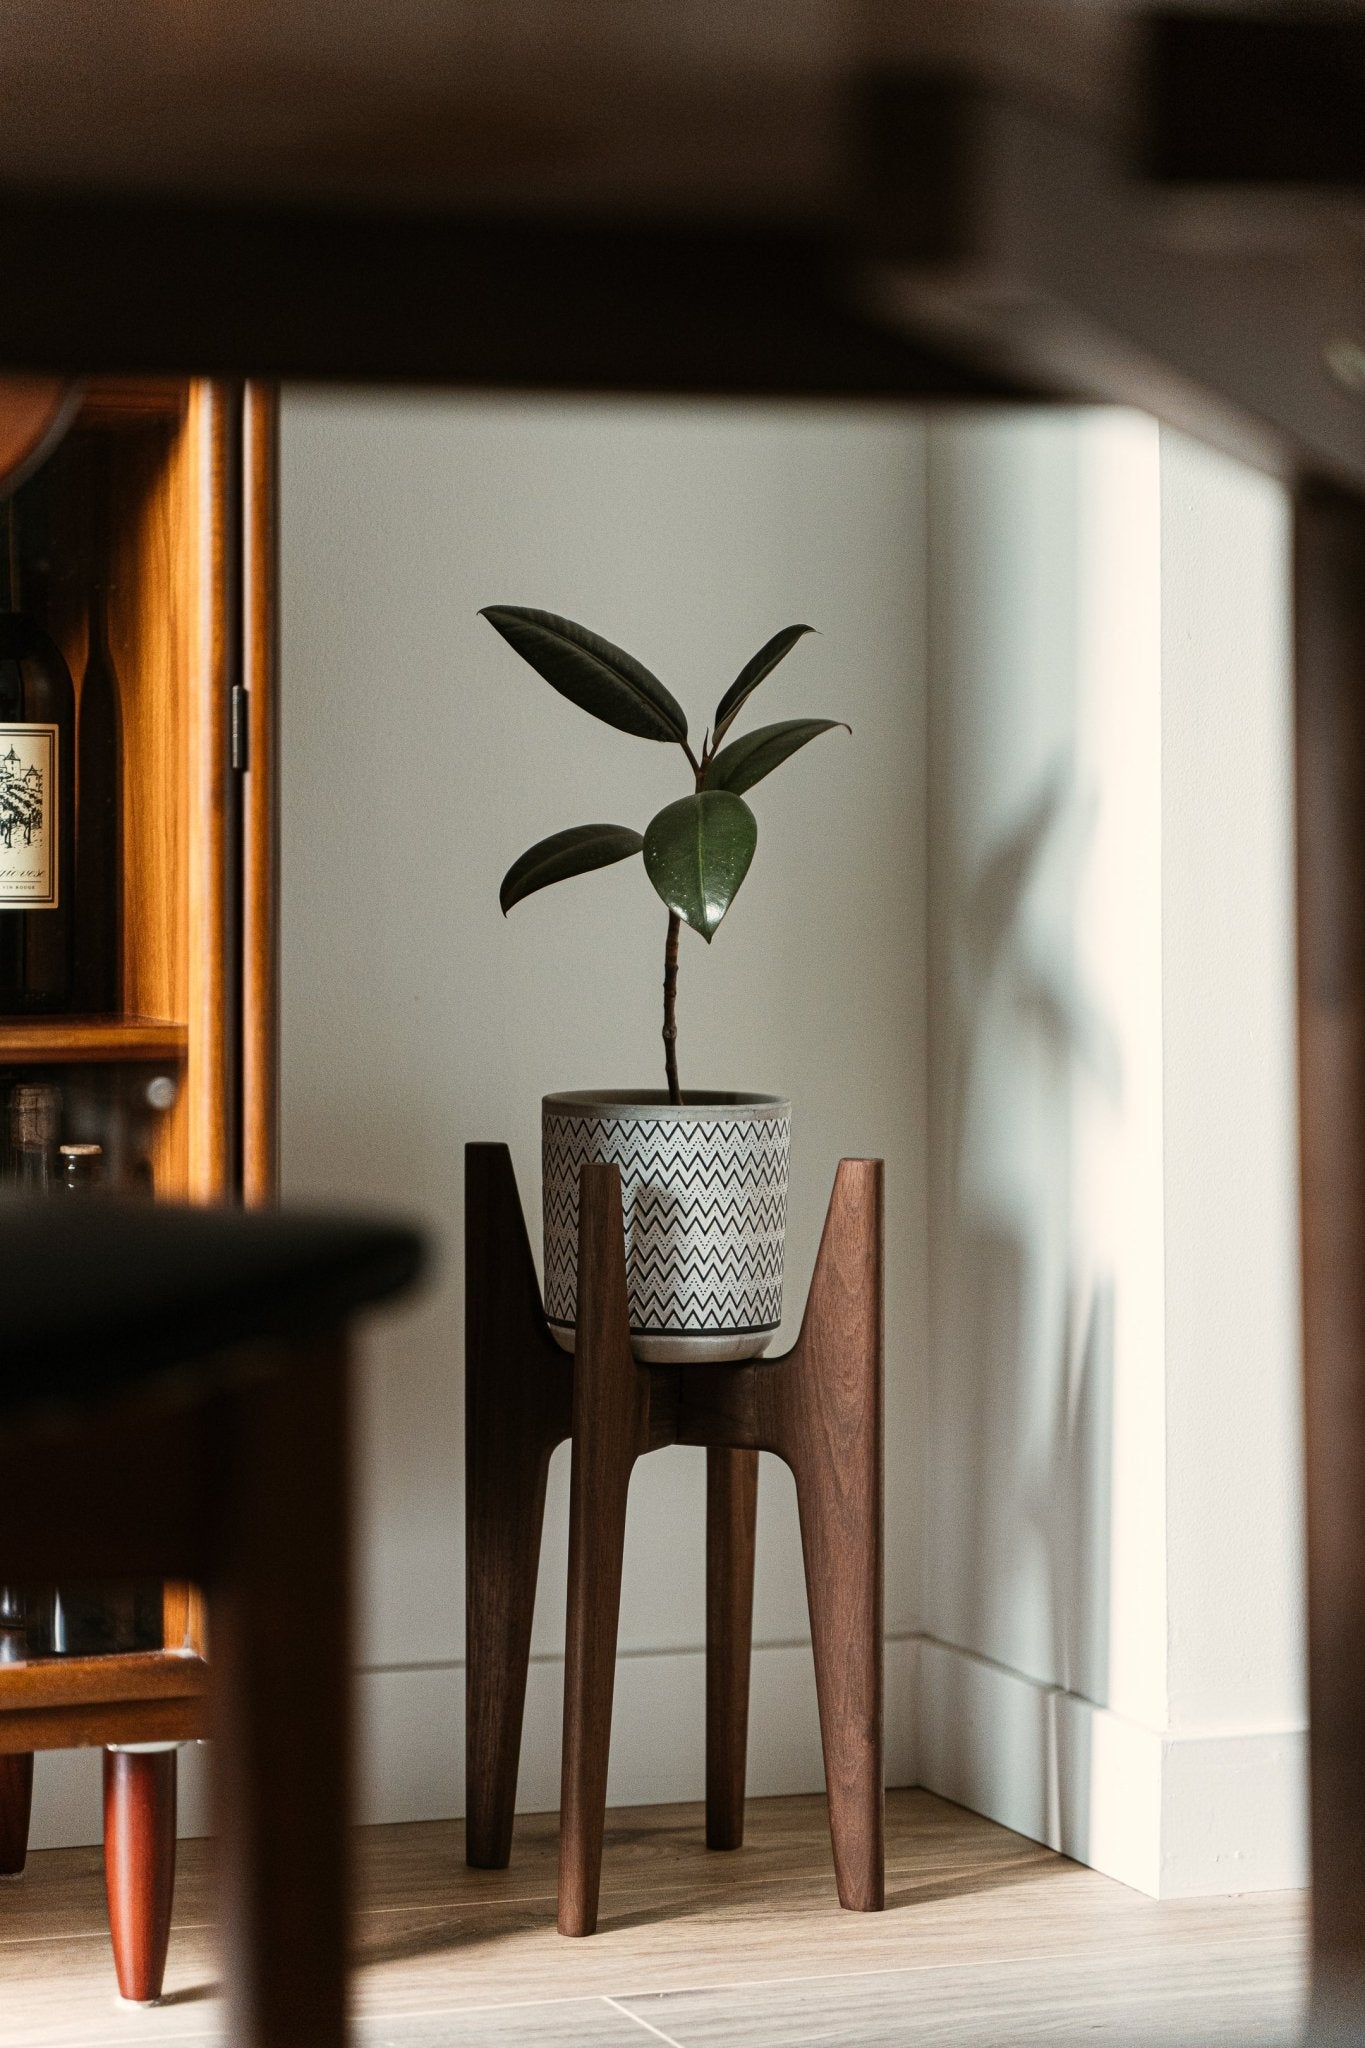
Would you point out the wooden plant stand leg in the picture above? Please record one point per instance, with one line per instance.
(731, 1517)
(139, 1865)
(518, 1406)
(611, 1405)
(827, 1423)
(16, 1807)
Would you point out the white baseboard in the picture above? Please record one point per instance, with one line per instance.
(1173, 1815)
(413, 1731)
(412, 1741)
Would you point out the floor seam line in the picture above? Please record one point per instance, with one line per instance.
(657, 2032)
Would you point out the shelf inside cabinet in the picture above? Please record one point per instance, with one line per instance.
(65, 1702)
(121, 401)
(68, 1041)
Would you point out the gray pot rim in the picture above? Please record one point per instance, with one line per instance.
(710, 1105)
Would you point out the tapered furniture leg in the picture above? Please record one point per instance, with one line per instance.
(518, 1395)
(1330, 693)
(278, 1605)
(731, 1517)
(610, 1429)
(139, 1865)
(831, 1398)
(16, 1806)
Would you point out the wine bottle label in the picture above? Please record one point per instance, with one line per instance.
(28, 817)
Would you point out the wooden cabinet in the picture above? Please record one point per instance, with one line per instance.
(155, 512)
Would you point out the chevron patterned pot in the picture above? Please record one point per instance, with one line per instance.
(704, 1189)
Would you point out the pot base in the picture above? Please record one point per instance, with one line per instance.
(683, 1347)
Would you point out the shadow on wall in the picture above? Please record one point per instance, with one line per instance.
(1032, 1303)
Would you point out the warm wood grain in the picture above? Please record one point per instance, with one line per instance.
(518, 1392)
(106, 513)
(16, 1803)
(124, 401)
(84, 1681)
(820, 1409)
(449, 1954)
(827, 1394)
(182, 1617)
(731, 1525)
(213, 432)
(64, 1041)
(116, 506)
(109, 1719)
(1330, 695)
(260, 795)
(611, 1427)
(139, 1866)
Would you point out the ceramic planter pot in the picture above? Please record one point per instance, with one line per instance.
(704, 1190)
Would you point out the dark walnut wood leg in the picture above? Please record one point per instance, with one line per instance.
(139, 1866)
(278, 1625)
(610, 1429)
(830, 1432)
(1330, 660)
(518, 1406)
(16, 1807)
(731, 1518)
(819, 1408)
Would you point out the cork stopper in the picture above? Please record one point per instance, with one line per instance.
(34, 1115)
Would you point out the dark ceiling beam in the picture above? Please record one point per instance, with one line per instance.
(130, 286)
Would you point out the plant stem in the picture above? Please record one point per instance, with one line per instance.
(670, 1008)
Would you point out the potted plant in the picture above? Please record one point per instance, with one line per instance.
(703, 1174)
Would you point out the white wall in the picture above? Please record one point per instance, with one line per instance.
(1235, 1661)
(416, 1018)
(1112, 1571)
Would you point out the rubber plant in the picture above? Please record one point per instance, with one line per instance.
(696, 851)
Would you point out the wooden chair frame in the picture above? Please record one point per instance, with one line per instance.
(243, 1490)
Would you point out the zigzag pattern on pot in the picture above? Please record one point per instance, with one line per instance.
(705, 1214)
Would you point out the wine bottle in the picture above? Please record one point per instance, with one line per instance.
(82, 1168)
(99, 801)
(37, 814)
(35, 1111)
(13, 1625)
(107, 1618)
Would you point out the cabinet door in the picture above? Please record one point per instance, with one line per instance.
(234, 860)
(258, 751)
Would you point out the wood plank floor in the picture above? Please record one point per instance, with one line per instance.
(987, 1939)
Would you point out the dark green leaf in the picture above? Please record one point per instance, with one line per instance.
(755, 754)
(590, 672)
(751, 675)
(697, 852)
(574, 852)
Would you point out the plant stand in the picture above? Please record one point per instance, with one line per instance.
(819, 1408)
